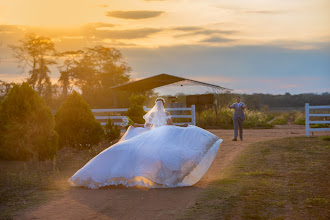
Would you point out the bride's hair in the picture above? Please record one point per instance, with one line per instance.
(160, 99)
(157, 116)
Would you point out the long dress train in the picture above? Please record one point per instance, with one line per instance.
(160, 157)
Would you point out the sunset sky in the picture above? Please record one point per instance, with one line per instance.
(254, 46)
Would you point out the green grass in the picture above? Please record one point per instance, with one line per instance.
(279, 179)
(325, 138)
(320, 126)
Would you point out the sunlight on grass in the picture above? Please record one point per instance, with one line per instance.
(260, 173)
(278, 179)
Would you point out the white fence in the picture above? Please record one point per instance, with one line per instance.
(309, 122)
(191, 109)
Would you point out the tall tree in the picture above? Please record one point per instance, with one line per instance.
(94, 71)
(101, 67)
(67, 69)
(36, 53)
(111, 69)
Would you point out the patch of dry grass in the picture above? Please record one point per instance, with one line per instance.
(279, 179)
(26, 184)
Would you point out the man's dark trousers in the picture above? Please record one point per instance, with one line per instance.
(238, 125)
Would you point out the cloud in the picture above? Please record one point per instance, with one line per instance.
(134, 14)
(264, 12)
(101, 24)
(126, 34)
(217, 40)
(201, 30)
(4, 28)
(249, 11)
(102, 6)
(195, 30)
(187, 28)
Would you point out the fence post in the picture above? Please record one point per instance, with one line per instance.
(307, 119)
(193, 115)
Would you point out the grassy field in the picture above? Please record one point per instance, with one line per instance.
(26, 184)
(279, 179)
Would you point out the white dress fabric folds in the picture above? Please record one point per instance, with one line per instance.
(160, 157)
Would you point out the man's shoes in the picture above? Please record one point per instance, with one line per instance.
(241, 139)
(234, 139)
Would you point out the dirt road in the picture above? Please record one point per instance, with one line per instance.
(133, 203)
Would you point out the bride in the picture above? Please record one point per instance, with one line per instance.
(157, 154)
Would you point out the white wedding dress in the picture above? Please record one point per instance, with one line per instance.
(158, 156)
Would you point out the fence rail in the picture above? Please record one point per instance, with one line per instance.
(191, 109)
(308, 122)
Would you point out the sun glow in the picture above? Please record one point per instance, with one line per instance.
(60, 13)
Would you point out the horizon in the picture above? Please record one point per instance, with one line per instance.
(256, 47)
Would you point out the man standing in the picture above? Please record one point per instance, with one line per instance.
(238, 117)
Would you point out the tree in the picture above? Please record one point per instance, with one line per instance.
(67, 70)
(36, 53)
(26, 126)
(98, 69)
(76, 124)
(5, 88)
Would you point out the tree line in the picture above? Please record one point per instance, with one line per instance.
(92, 70)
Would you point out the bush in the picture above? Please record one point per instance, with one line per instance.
(136, 112)
(299, 118)
(26, 126)
(257, 119)
(76, 124)
(112, 131)
(137, 99)
(223, 119)
(282, 119)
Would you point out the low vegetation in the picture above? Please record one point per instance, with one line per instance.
(299, 118)
(111, 130)
(26, 184)
(279, 179)
(136, 111)
(281, 119)
(223, 119)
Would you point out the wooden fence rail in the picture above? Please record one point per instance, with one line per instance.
(192, 115)
(308, 122)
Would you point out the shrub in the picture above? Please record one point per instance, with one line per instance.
(257, 119)
(299, 118)
(282, 119)
(136, 112)
(137, 99)
(223, 119)
(26, 126)
(76, 124)
(112, 131)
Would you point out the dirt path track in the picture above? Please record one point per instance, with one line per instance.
(133, 203)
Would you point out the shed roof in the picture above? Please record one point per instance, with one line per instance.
(158, 81)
